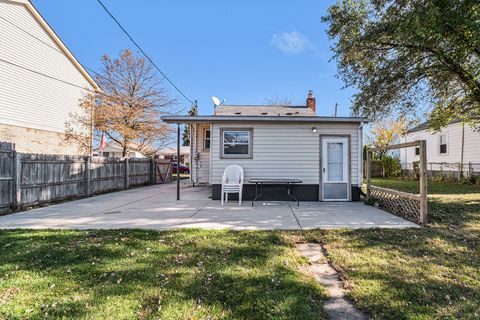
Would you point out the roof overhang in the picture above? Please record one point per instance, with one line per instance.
(263, 119)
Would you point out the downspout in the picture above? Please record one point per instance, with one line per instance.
(196, 153)
(463, 147)
(360, 159)
(211, 158)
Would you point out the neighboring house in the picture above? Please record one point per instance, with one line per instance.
(171, 154)
(446, 150)
(41, 82)
(279, 142)
(114, 149)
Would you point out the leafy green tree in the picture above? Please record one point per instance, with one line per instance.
(407, 53)
(186, 131)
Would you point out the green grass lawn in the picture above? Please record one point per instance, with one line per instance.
(135, 274)
(424, 273)
(427, 273)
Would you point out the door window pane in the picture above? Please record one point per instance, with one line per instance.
(206, 142)
(335, 161)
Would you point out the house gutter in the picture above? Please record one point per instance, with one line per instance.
(263, 119)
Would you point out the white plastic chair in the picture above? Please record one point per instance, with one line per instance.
(232, 182)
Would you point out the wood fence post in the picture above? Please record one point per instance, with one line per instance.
(127, 174)
(88, 167)
(423, 182)
(369, 172)
(17, 170)
(152, 170)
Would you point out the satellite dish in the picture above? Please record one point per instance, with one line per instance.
(216, 101)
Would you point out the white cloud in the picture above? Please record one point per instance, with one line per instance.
(291, 42)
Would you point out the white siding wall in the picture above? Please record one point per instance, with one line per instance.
(454, 146)
(28, 99)
(284, 151)
(200, 167)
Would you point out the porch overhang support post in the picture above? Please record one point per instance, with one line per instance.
(178, 161)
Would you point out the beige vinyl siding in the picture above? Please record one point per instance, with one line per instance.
(28, 99)
(200, 167)
(454, 146)
(284, 151)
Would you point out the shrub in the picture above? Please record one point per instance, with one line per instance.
(392, 166)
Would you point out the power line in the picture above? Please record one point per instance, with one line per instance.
(143, 52)
(46, 75)
(61, 80)
(47, 44)
(49, 76)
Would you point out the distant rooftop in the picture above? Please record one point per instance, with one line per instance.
(424, 126)
(263, 110)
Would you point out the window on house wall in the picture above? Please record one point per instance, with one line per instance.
(417, 151)
(236, 143)
(442, 144)
(206, 139)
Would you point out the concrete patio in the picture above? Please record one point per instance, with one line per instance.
(155, 207)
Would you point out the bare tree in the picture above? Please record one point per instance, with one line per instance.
(129, 108)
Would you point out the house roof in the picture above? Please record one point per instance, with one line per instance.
(263, 110)
(31, 8)
(173, 150)
(264, 119)
(424, 126)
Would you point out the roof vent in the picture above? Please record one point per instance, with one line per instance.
(238, 113)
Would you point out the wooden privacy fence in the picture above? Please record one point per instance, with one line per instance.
(7, 175)
(32, 179)
(410, 206)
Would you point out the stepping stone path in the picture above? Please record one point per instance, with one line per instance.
(337, 306)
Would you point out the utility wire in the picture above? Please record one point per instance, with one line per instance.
(143, 52)
(52, 77)
(46, 44)
(49, 76)
(45, 75)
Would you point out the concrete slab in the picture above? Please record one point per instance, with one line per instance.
(266, 216)
(155, 207)
(351, 215)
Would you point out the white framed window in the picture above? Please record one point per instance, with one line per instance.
(206, 138)
(236, 143)
(417, 151)
(442, 144)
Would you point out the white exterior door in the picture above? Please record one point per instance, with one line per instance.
(335, 173)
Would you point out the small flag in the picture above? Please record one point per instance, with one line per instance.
(103, 142)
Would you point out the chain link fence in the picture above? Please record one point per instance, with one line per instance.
(452, 170)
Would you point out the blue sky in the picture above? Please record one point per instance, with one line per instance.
(241, 51)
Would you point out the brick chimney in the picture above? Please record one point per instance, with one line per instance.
(311, 101)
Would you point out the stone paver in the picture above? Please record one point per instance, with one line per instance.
(155, 207)
(338, 307)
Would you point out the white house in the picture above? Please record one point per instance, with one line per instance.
(114, 149)
(41, 82)
(278, 142)
(446, 150)
(171, 153)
